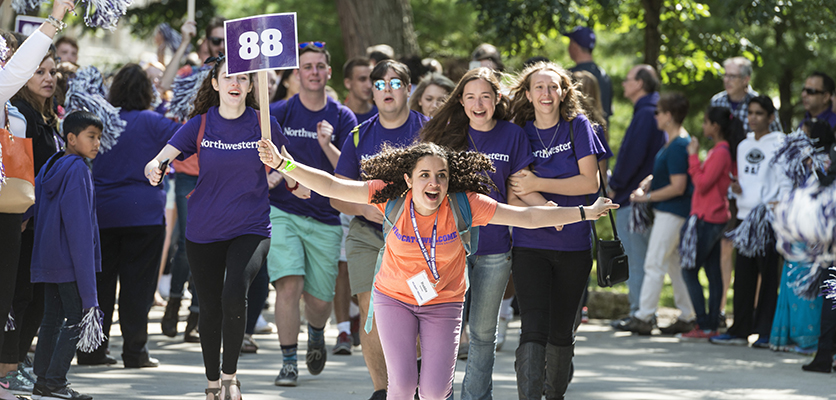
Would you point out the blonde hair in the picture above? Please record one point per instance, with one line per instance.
(591, 99)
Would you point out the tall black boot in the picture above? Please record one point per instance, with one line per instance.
(171, 316)
(558, 370)
(190, 335)
(530, 366)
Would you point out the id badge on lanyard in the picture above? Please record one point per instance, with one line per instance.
(422, 289)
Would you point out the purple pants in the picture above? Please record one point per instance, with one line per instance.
(399, 325)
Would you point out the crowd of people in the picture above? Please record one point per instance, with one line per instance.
(391, 208)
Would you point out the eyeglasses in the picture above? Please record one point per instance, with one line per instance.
(811, 91)
(320, 45)
(216, 41)
(394, 83)
(731, 76)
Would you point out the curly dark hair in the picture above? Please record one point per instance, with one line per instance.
(466, 169)
(207, 96)
(131, 89)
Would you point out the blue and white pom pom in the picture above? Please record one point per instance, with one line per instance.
(795, 153)
(688, 244)
(804, 225)
(90, 333)
(86, 92)
(23, 6)
(10, 322)
(184, 90)
(641, 217)
(4, 49)
(171, 37)
(105, 13)
(753, 236)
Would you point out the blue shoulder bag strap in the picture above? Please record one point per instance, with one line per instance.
(394, 209)
(464, 222)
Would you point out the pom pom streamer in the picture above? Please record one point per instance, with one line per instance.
(688, 244)
(10, 322)
(86, 92)
(792, 157)
(171, 38)
(829, 287)
(804, 225)
(184, 91)
(754, 234)
(90, 333)
(4, 49)
(22, 6)
(105, 13)
(641, 217)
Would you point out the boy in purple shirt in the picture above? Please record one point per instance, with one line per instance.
(306, 247)
(66, 255)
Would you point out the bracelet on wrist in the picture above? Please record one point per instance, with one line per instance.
(288, 166)
(291, 189)
(583, 213)
(59, 25)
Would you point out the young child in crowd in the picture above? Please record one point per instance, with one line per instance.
(66, 257)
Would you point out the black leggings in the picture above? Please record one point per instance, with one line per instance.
(9, 255)
(222, 273)
(550, 285)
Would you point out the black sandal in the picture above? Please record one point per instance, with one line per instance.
(226, 383)
(215, 392)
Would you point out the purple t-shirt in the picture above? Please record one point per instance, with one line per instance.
(230, 198)
(553, 158)
(507, 146)
(367, 116)
(124, 197)
(299, 126)
(370, 136)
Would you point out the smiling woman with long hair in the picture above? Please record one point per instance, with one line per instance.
(228, 231)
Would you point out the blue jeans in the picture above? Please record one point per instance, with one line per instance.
(488, 278)
(184, 184)
(635, 245)
(708, 256)
(57, 338)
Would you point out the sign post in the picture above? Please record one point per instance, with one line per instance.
(258, 44)
(190, 10)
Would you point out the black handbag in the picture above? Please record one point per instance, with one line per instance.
(613, 266)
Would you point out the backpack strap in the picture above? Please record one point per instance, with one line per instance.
(393, 212)
(200, 134)
(355, 133)
(463, 217)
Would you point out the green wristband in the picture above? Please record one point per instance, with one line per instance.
(289, 166)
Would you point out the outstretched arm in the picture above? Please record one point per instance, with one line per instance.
(545, 216)
(317, 180)
(152, 169)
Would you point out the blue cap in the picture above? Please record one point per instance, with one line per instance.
(583, 36)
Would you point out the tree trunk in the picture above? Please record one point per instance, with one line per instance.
(368, 22)
(652, 37)
(785, 82)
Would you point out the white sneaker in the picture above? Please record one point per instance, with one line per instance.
(262, 326)
(502, 331)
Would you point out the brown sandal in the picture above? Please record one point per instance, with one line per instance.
(215, 392)
(225, 384)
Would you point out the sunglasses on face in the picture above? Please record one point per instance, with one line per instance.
(394, 83)
(216, 41)
(320, 45)
(811, 91)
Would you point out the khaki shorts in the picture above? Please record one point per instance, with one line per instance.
(362, 246)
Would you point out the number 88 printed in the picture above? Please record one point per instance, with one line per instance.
(271, 45)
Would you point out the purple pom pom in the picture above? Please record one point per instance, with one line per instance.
(641, 217)
(4, 49)
(22, 6)
(795, 153)
(90, 335)
(105, 13)
(754, 234)
(86, 92)
(688, 244)
(10, 322)
(184, 90)
(829, 288)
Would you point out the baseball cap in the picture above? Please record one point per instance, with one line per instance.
(583, 36)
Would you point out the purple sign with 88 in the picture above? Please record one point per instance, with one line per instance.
(260, 43)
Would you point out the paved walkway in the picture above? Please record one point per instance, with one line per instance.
(609, 365)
